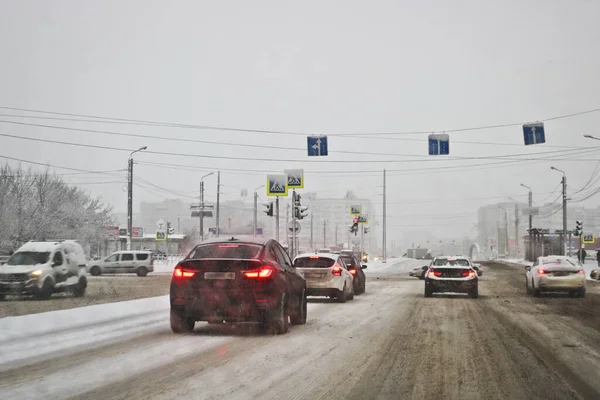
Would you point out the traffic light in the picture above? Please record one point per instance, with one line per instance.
(170, 230)
(269, 210)
(578, 228)
(299, 211)
(355, 225)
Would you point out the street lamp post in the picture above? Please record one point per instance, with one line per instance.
(130, 195)
(202, 206)
(255, 217)
(564, 187)
(530, 222)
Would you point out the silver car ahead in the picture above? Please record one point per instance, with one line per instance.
(325, 275)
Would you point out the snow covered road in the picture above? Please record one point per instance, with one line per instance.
(383, 344)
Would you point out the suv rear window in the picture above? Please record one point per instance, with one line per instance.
(314, 262)
(226, 250)
(142, 256)
(347, 260)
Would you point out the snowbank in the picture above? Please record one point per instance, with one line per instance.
(588, 266)
(394, 266)
(72, 328)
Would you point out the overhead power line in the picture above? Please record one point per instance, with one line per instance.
(284, 132)
(421, 140)
(287, 160)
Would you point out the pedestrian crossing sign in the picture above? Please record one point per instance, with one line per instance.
(295, 178)
(277, 185)
(356, 209)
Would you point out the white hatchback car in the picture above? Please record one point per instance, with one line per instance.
(555, 274)
(326, 275)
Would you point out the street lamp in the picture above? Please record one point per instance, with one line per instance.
(591, 137)
(564, 185)
(255, 217)
(130, 195)
(202, 205)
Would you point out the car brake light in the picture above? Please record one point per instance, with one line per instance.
(581, 271)
(353, 271)
(337, 271)
(469, 273)
(263, 272)
(433, 272)
(314, 257)
(541, 271)
(181, 273)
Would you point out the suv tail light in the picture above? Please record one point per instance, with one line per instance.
(433, 272)
(180, 273)
(264, 272)
(352, 271)
(541, 271)
(337, 271)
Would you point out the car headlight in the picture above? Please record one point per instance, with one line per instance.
(36, 273)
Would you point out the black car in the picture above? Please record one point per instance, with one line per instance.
(451, 274)
(237, 281)
(356, 269)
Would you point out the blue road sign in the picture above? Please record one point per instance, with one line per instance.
(534, 133)
(277, 185)
(317, 145)
(439, 144)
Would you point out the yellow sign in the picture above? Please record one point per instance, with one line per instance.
(588, 239)
(356, 209)
(161, 235)
(277, 185)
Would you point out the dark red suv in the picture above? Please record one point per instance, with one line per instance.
(237, 280)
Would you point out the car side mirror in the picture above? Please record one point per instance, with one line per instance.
(527, 268)
(56, 264)
(425, 267)
(475, 268)
(364, 267)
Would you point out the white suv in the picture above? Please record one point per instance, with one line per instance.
(124, 262)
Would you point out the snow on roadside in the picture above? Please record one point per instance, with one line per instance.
(588, 266)
(85, 326)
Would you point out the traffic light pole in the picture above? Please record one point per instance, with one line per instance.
(293, 246)
(277, 218)
(255, 217)
(564, 236)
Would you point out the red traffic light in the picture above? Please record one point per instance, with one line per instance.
(355, 220)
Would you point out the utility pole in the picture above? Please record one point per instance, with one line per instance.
(563, 240)
(384, 220)
(201, 211)
(129, 202)
(130, 196)
(277, 218)
(218, 201)
(255, 217)
(506, 232)
(516, 229)
(564, 236)
(312, 243)
(325, 234)
(287, 221)
(336, 235)
(293, 245)
(362, 240)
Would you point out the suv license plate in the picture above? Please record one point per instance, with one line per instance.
(219, 275)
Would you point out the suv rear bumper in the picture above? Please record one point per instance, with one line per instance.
(220, 307)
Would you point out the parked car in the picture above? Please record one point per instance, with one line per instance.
(595, 274)
(44, 268)
(326, 275)
(451, 274)
(124, 262)
(250, 280)
(419, 272)
(353, 265)
(555, 274)
(477, 268)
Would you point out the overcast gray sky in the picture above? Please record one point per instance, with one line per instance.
(327, 67)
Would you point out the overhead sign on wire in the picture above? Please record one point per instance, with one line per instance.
(534, 133)
(277, 185)
(439, 144)
(317, 145)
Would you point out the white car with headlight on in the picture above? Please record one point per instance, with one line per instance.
(326, 275)
(555, 274)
